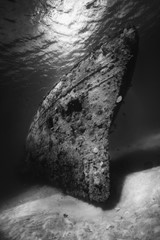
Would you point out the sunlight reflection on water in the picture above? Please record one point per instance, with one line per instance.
(47, 37)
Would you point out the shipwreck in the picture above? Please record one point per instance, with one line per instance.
(68, 141)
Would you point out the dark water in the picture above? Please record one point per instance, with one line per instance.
(40, 40)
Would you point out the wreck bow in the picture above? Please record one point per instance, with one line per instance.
(68, 139)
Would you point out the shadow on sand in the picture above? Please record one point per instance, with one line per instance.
(120, 167)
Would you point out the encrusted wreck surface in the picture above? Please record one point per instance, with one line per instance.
(68, 139)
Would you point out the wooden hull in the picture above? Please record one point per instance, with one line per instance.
(68, 139)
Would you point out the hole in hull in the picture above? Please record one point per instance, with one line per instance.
(74, 106)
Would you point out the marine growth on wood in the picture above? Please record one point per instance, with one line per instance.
(68, 141)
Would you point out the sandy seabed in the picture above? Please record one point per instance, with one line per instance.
(132, 211)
